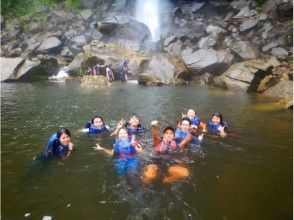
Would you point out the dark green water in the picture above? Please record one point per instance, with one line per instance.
(247, 176)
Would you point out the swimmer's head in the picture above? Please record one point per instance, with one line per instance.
(168, 134)
(97, 121)
(191, 113)
(63, 136)
(123, 134)
(134, 120)
(217, 118)
(185, 124)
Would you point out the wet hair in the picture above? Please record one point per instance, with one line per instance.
(133, 115)
(220, 116)
(186, 119)
(124, 128)
(97, 116)
(63, 131)
(169, 128)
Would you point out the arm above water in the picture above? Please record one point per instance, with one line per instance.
(155, 133)
(119, 126)
(99, 148)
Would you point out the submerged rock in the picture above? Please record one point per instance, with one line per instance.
(95, 81)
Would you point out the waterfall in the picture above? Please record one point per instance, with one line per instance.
(148, 12)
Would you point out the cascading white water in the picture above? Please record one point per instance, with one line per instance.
(148, 12)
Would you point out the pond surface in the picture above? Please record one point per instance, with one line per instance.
(245, 176)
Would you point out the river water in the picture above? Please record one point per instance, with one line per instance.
(244, 176)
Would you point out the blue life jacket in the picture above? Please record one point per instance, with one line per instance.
(94, 130)
(180, 135)
(123, 149)
(214, 128)
(195, 121)
(137, 131)
(54, 147)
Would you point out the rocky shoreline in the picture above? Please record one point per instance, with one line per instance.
(237, 45)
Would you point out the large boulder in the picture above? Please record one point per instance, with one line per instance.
(282, 89)
(167, 68)
(205, 58)
(49, 43)
(9, 67)
(149, 80)
(245, 50)
(243, 76)
(132, 30)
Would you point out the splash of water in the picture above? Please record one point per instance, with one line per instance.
(148, 12)
(61, 74)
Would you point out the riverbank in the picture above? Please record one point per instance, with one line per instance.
(238, 45)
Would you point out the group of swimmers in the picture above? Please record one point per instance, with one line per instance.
(98, 69)
(126, 146)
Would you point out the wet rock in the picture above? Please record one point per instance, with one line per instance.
(9, 67)
(243, 76)
(75, 64)
(287, 103)
(149, 80)
(95, 81)
(205, 58)
(238, 4)
(267, 27)
(169, 40)
(273, 44)
(175, 47)
(25, 68)
(207, 78)
(49, 43)
(79, 40)
(248, 24)
(86, 14)
(245, 13)
(214, 30)
(191, 8)
(206, 42)
(279, 52)
(245, 50)
(269, 5)
(282, 89)
(267, 82)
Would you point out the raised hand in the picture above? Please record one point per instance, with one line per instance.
(98, 147)
(154, 123)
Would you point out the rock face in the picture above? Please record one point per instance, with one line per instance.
(242, 76)
(95, 82)
(205, 58)
(9, 67)
(49, 43)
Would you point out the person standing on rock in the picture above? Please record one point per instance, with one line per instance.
(123, 71)
(109, 73)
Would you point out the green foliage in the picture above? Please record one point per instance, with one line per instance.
(74, 4)
(81, 72)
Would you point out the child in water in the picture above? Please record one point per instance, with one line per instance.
(217, 125)
(183, 130)
(195, 120)
(133, 126)
(165, 146)
(59, 144)
(124, 152)
(96, 126)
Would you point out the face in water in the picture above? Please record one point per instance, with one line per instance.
(168, 135)
(64, 139)
(98, 122)
(215, 120)
(134, 121)
(185, 125)
(191, 113)
(123, 135)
